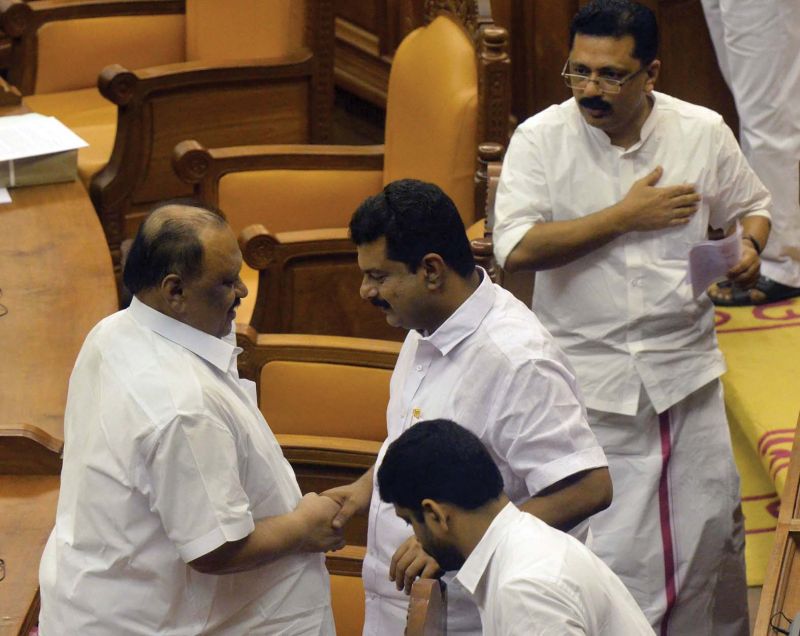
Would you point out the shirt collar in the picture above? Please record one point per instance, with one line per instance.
(647, 127)
(474, 567)
(221, 352)
(464, 320)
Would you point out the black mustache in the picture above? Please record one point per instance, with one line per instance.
(380, 303)
(595, 103)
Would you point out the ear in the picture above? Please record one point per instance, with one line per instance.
(171, 291)
(436, 516)
(433, 268)
(652, 75)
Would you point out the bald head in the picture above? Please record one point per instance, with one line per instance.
(169, 242)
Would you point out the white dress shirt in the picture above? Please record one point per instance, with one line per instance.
(624, 314)
(492, 368)
(529, 579)
(166, 458)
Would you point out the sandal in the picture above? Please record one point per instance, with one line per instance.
(764, 291)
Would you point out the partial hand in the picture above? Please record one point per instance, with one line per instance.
(646, 207)
(316, 513)
(745, 273)
(411, 561)
(352, 498)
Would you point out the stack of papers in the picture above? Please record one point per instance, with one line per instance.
(35, 148)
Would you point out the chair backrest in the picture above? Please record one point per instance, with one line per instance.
(427, 609)
(448, 92)
(308, 282)
(320, 385)
(63, 46)
(239, 29)
(780, 595)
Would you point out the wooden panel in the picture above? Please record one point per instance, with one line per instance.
(27, 514)
(539, 31)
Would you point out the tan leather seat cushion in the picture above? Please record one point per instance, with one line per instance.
(73, 52)
(90, 116)
(431, 114)
(334, 400)
(245, 309)
(286, 200)
(236, 29)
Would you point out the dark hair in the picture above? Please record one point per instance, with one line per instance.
(168, 242)
(439, 460)
(616, 19)
(416, 218)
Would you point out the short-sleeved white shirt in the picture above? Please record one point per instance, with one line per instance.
(166, 458)
(624, 314)
(529, 579)
(492, 368)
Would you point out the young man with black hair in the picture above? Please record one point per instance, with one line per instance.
(603, 196)
(526, 577)
(473, 353)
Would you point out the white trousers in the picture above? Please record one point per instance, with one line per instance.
(674, 533)
(758, 48)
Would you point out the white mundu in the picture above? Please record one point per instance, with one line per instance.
(166, 458)
(529, 579)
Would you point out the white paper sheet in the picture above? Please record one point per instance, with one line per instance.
(34, 134)
(5, 196)
(709, 261)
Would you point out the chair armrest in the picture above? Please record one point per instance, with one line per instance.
(21, 22)
(203, 167)
(259, 245)
(120, 85)
(260, 348)
(329, 451)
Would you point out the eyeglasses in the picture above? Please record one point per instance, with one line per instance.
(604, 83)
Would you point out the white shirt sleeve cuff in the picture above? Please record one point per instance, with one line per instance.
(505, 243)
(214, 539)
(563, 467)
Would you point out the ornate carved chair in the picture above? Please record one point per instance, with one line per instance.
(325, 399)
(233, 72)
(448, 91)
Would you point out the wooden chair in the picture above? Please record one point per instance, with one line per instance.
(780, 596)
(347, 588)
(427, 609)
(325, 398)
(448, 91)
(234, 72)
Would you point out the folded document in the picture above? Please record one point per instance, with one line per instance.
(709, 261)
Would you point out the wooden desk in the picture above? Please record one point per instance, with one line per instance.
(57, 282)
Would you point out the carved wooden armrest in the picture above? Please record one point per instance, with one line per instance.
(196, 164)
(21, 21)
(120, 85)
(329, 451)
(260, 348)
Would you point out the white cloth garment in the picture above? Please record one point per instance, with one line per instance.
(758, 49)
(624, 314)
(639, 341)
(674, 532)
(529, 579)
(166, 458)
(492, 368)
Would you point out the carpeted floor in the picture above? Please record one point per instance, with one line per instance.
(762, 349)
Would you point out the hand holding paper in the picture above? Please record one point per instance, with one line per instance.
(710, 261)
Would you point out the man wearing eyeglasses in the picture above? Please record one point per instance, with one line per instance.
(603, 195)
